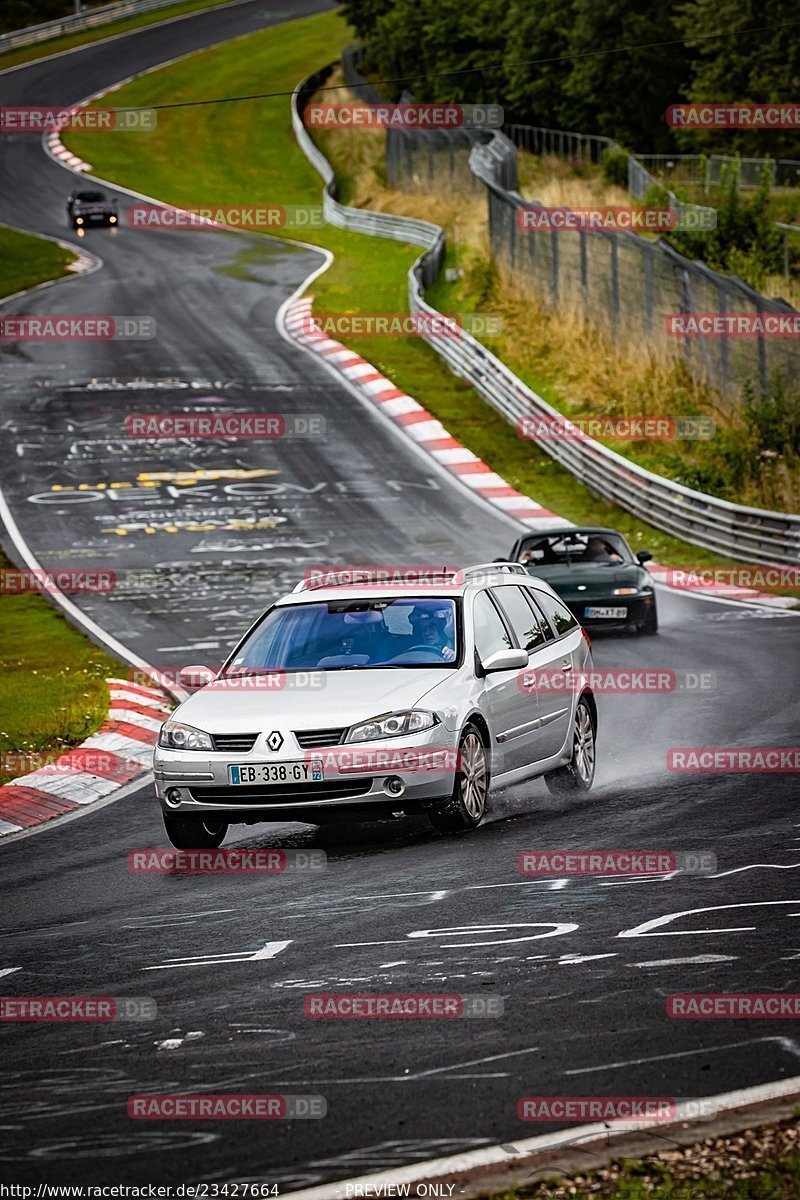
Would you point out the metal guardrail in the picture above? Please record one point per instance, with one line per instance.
(78, 21)
(741, 532)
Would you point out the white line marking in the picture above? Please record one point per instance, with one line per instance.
(785, 1042)
(269, 950)
(677, 962)
(658, 922)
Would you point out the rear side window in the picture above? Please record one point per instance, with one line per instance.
(560, 617)
(490, 632)
(530, 628)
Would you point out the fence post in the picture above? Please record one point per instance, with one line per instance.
(648, 289)
(762, 349)
(554, 266)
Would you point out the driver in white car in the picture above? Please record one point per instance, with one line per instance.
(434, 629)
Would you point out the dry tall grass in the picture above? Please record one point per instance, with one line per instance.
(578, 366)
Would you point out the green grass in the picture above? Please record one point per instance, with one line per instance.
(68, 41)
(26, 260)
(54, 691)
(245, 153)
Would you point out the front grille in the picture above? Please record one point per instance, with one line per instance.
(283, 794)
(313, 739)
(234, 743)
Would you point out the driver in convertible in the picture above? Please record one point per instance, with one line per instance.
(434, 631)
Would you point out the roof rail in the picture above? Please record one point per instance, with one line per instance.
(494, 568)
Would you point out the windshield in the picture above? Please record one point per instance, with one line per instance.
(90, 196)
(338, 635)
(568, 549)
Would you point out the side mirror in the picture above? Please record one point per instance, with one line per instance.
(505, 660)
(194, 677)
(644, 556)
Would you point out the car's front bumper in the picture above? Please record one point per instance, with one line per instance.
(637, 608)
(368, 775)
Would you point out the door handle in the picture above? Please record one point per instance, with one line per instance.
(567, 666)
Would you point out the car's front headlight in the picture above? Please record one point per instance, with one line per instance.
(175, 736)
(410, 720)
(626, 591)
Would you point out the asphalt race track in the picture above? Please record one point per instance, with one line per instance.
(201, 537)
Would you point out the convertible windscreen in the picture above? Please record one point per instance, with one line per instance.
(569, 549)
(339, 634)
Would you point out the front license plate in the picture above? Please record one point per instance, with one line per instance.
(276, 773)
(612, 613)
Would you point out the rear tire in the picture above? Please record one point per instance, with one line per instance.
(195, 833)
(578, 774)
(467, 804)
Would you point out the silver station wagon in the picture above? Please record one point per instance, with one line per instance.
(359, 700)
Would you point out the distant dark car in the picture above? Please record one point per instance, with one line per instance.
(91, 208)
(595, 573)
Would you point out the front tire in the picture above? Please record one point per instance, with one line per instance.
(195, 833)
(650, 623)
(578, 774)
(467, 804)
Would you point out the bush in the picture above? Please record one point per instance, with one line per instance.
(745, 241)
(615, 167)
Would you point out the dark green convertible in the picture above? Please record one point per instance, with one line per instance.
(595, 572)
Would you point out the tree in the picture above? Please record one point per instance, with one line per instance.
(534, 93)
(625, 95)
(757, 67)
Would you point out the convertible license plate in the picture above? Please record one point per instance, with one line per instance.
(612, 613)
(276, 773)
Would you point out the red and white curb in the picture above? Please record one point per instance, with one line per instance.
(126, 742)
(415, 421)
(58, 150)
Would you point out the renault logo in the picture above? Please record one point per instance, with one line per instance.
(275, 740)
